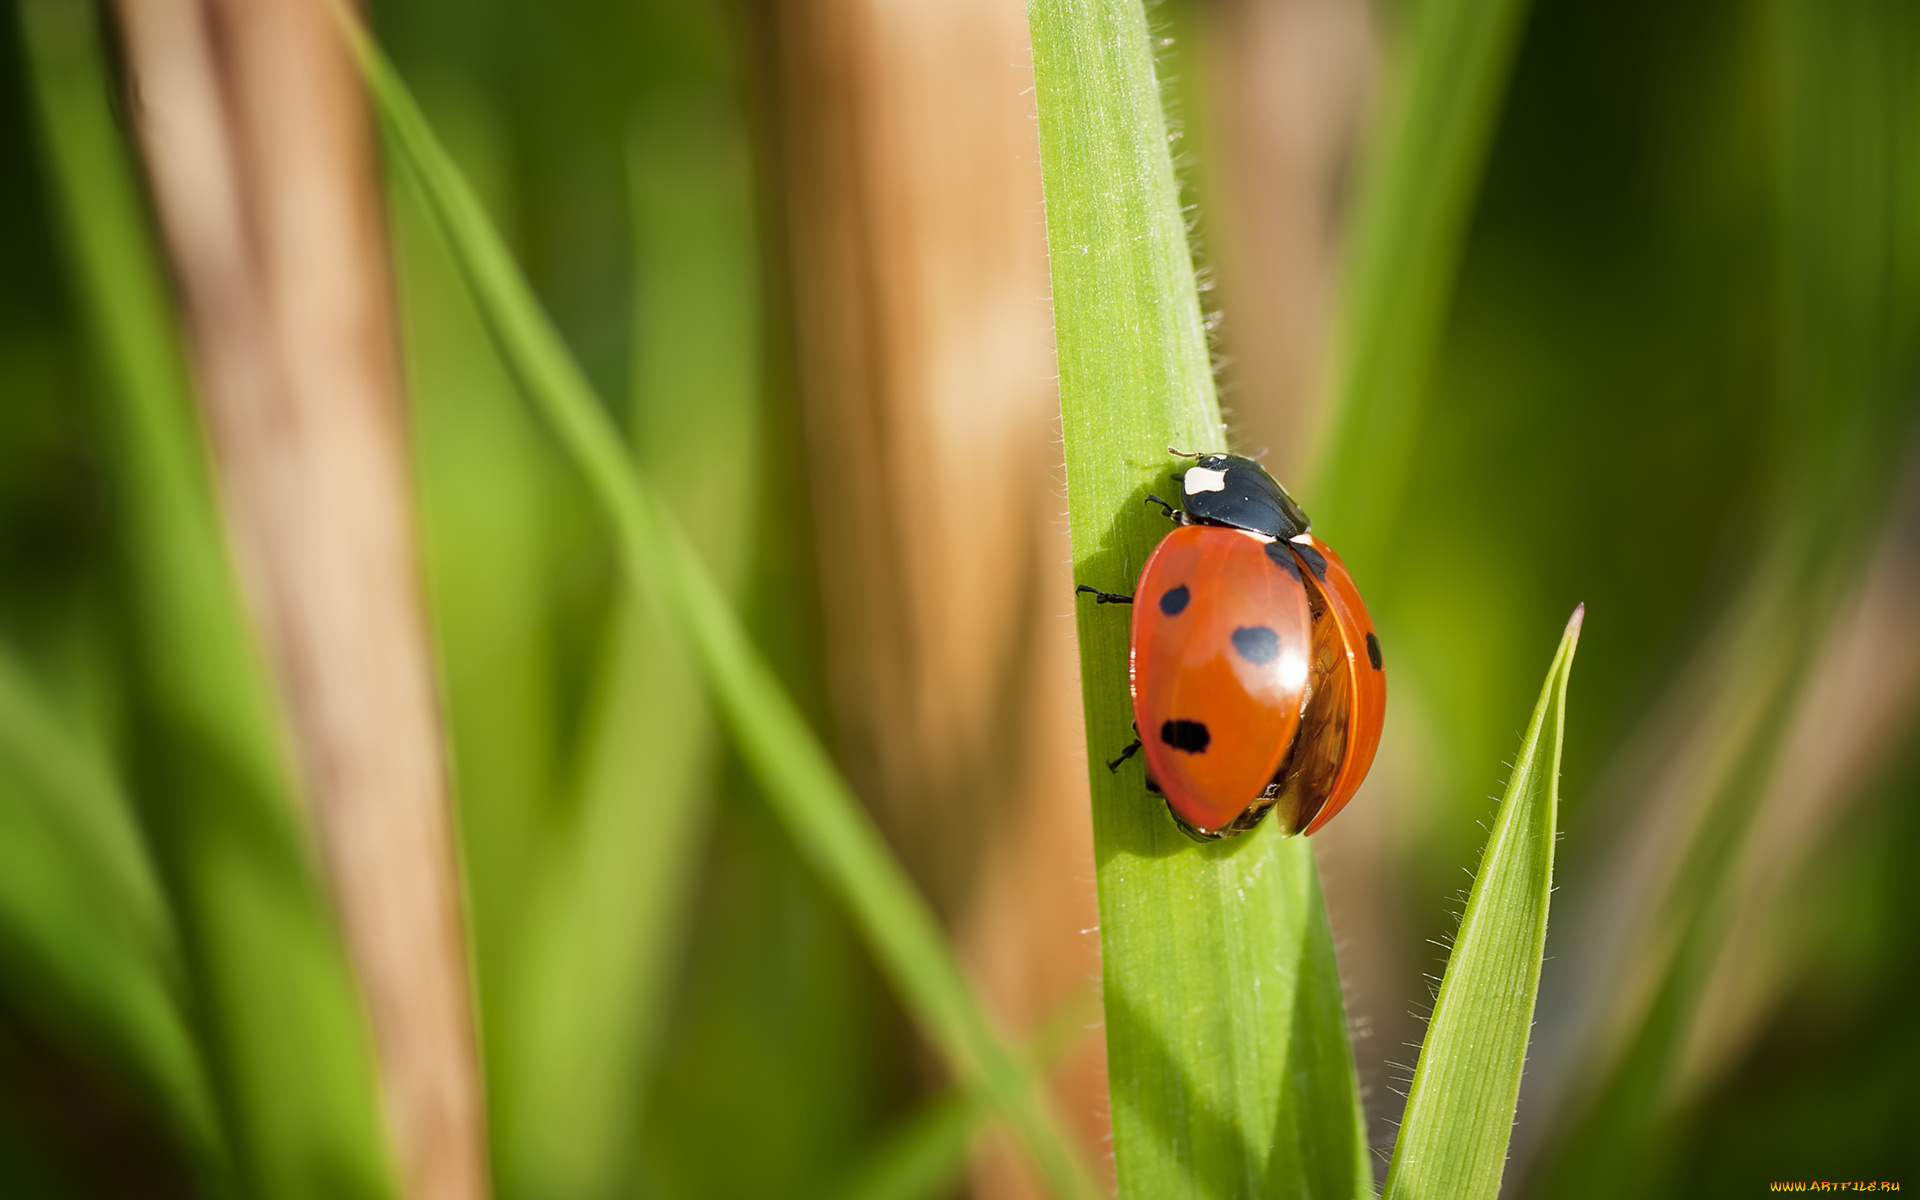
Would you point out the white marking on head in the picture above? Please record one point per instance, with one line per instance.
(1200, 479)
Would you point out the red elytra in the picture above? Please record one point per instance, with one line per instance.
(1256, 679)
(1352, 685)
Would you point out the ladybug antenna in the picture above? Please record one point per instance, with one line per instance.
(1181, 453)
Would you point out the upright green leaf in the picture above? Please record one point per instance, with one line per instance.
(1227, 1054)
(270, 990)
(793, 770)
(1453, 1138)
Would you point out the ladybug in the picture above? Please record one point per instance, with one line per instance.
(1255, 670)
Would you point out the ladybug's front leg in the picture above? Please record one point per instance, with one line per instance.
(1177, 516)
(1126, 754)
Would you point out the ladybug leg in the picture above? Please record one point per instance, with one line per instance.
(1173, 514)
(1101, 597)
(1126, 754)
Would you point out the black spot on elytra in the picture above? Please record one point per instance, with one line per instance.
(1257, 643)
(1190, 736)
(1277, 551)
(1373, 650)
(1313, 558)
(1174, 602)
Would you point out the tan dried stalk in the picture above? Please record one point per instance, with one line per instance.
(255, 135)
(919, 278)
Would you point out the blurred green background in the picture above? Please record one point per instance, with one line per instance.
(1676, 381)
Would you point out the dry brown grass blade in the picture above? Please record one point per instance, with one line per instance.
(256, 139)
(918, 276)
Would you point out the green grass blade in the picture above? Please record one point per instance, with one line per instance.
(83, 799)
(1229, 1066)
(499, 520)
(271, 995)
(1416, 196)
(83, 926)
(793, 770)
(925, 1158)
(1453, 1138)
(603, 923)
(607, 920)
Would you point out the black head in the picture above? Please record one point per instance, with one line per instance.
(1226, 489)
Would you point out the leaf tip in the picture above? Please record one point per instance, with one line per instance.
(1574, 622)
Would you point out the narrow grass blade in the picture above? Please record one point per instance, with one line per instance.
(792, 768)
(1453, 1138)
(85, 935)
(926, 1155)
(925, 1158)
(606, 921)
(1227, 1053)
(84, 800)
(1449, 71)
(269, 989)
(499, 519)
